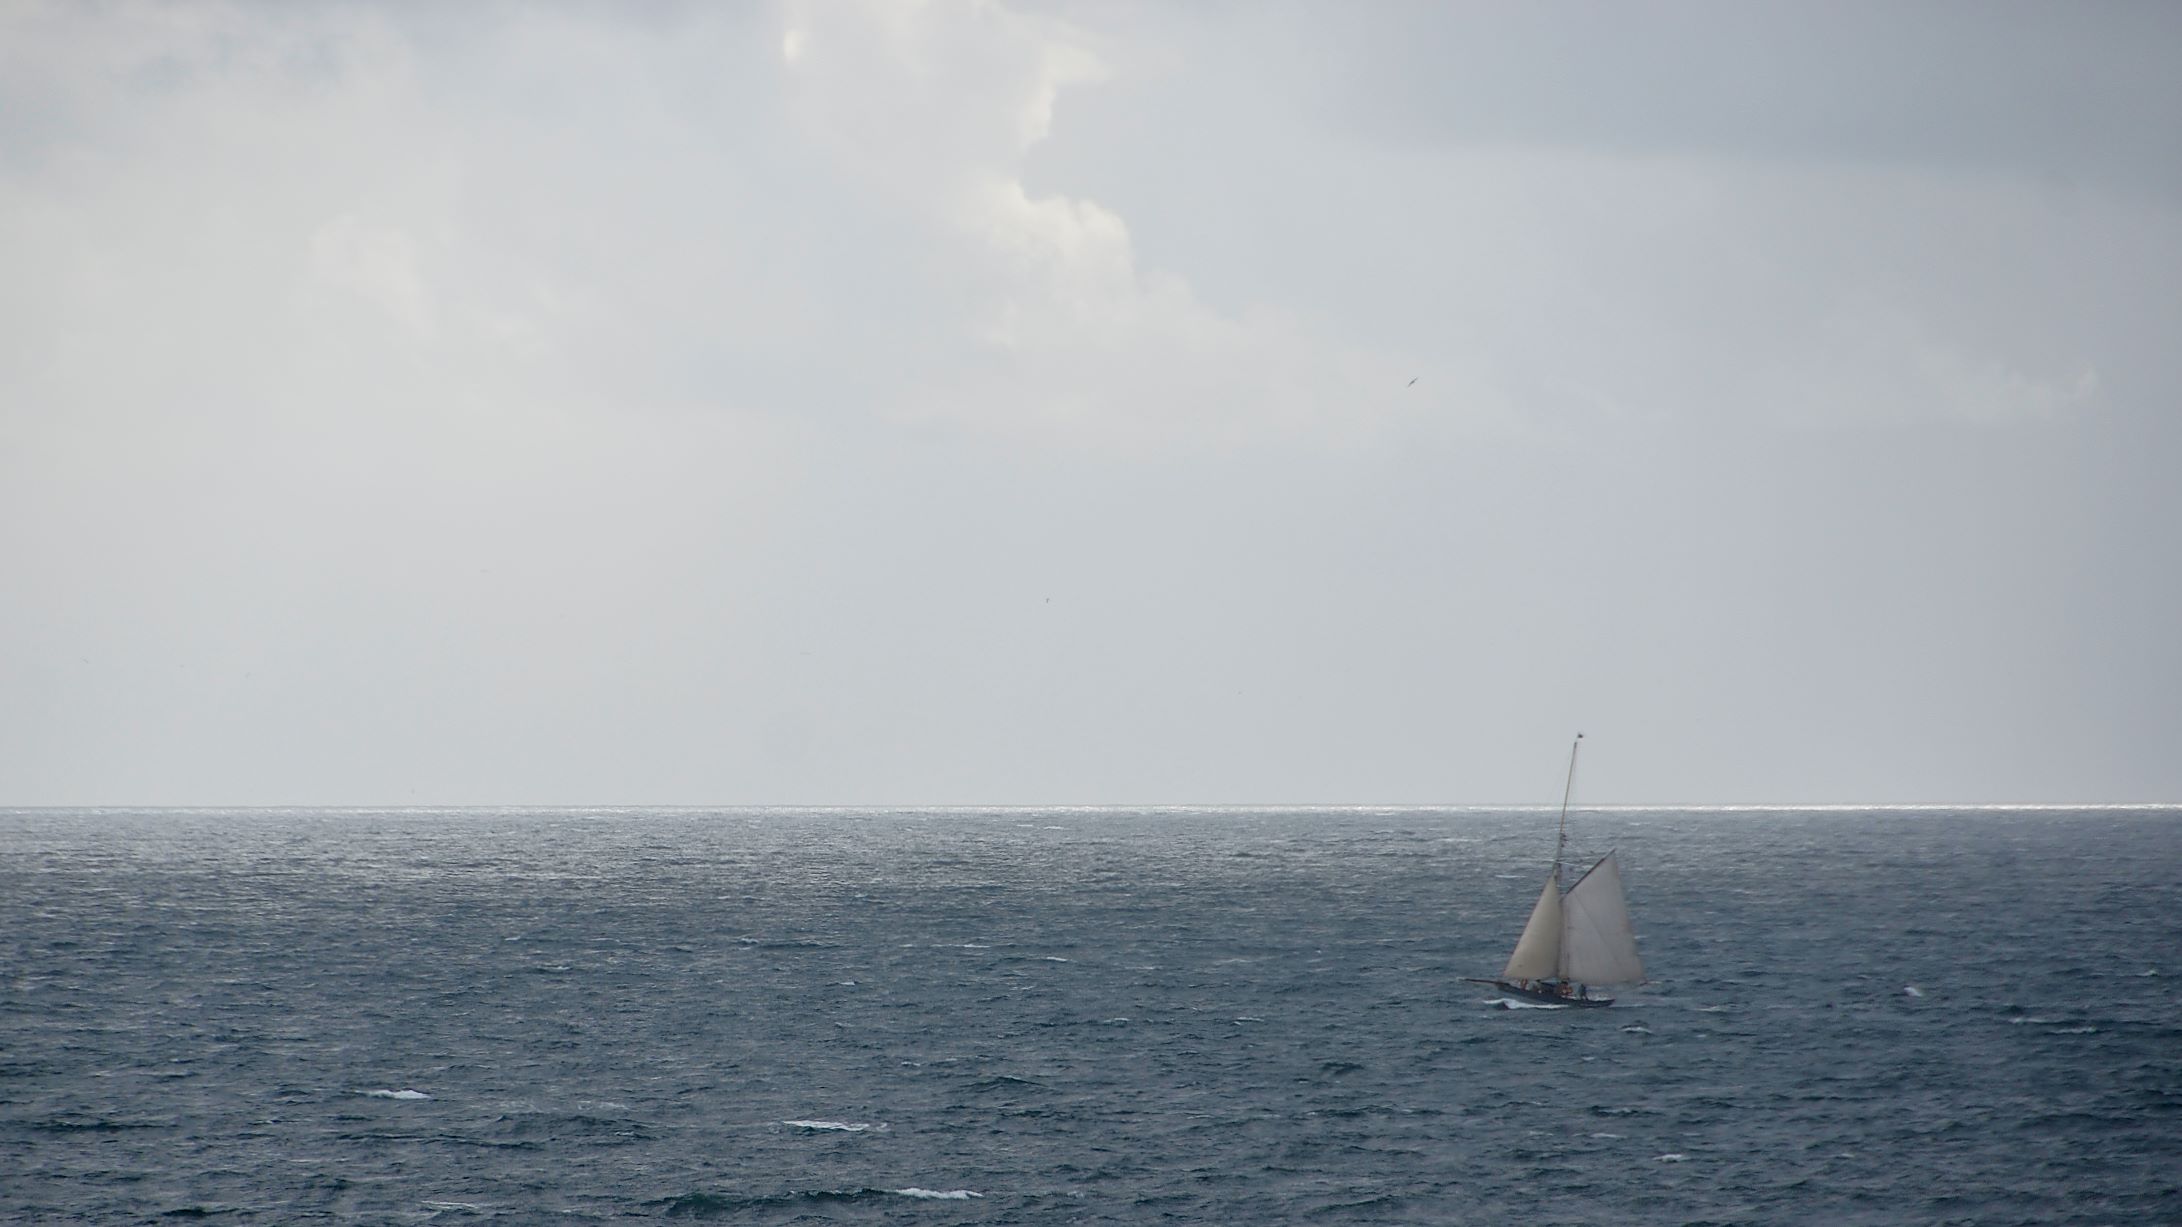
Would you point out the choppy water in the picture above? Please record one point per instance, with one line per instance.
(1081, 1016)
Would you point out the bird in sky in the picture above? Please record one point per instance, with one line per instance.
(1412, 381)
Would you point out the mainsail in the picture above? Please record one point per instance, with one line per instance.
(1598, 945)
(1581, 937)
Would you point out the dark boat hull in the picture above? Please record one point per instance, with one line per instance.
(1548, 996)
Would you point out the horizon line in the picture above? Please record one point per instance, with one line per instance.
(1161, 806)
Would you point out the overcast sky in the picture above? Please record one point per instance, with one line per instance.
(1118, 403)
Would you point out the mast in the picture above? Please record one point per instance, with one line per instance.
(1560, 847)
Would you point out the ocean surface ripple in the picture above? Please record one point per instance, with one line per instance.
(1081, 1016)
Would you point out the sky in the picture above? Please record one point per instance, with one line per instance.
(1121, 403)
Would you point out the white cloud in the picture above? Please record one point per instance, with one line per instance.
(1064, 333)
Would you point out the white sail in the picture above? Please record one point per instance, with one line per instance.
(1598, 945)
(1538, 951)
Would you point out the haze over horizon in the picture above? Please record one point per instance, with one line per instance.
(987, 403)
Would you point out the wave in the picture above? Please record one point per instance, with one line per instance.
(787, 943)
(1511, 1003)
(600, 1128)
(733, 1205)
(835, 1126)
(385, 1094)
(1006, 1082)
(99, 1125)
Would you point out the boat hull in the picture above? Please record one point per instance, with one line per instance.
(1551, 996)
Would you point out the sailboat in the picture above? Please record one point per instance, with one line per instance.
(1577, 937)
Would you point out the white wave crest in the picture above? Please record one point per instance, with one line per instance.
(1673, 1158)
(937, 1195)
(1510, 1003)
(834, 1126)
(383, 1094)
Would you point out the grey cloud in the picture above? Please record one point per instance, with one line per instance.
(2069, 91)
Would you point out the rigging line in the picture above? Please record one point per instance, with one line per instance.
(1594, 868)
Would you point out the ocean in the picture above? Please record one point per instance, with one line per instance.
(1082, 1016)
